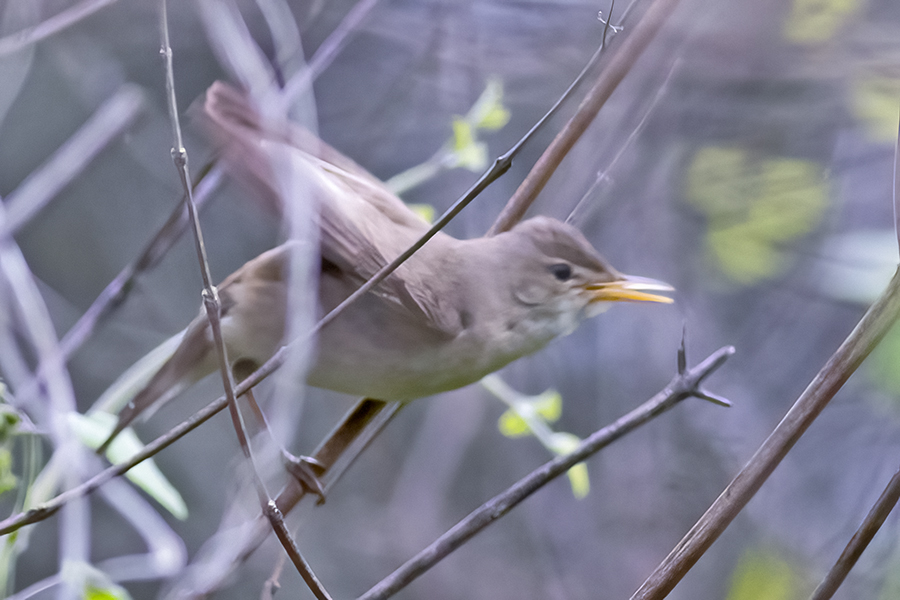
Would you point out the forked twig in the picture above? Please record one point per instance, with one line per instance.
(861, 341)
(333, 446)
(619, 65)
(686, 383)
(213, 312)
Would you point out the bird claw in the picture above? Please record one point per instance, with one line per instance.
(306, 470)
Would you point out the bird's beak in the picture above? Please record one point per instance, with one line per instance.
(630, 288)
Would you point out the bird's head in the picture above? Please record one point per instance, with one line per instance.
(562, 279)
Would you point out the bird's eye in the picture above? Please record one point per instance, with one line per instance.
(561, 271)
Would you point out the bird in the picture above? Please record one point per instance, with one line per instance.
(455, 311)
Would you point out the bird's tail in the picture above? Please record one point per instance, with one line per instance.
(180, 369)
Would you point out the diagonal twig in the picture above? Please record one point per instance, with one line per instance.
(620, 63)
(861, 341)
(860, 540)
(58, 22)
(685, 384)
(879, 512)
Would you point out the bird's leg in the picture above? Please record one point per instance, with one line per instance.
(306, 470)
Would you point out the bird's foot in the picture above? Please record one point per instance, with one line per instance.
(306, 470)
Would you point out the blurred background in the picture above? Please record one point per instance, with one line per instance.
(746, 159)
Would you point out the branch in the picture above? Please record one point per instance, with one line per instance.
(867, 530)
(622, 61)
(864, 337)
(684, 384)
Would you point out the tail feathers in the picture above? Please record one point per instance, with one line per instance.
(190, 363)
(164, 386)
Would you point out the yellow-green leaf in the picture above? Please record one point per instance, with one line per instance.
(579, 480)
(754, 205)
(8, 479)
(549, 405)
(106, 593)
(512, 425)
(874, 102)
(93, 429)
(815, 21)
(495, 118)
(426, 211)
(763, 575)
(463, 136)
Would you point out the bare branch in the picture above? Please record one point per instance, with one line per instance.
(860, 540)
(861, 341)
(43, 184)
(62, 20)
(682, 386)
(634, 44)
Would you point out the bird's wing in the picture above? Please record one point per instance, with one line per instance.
(362, 224)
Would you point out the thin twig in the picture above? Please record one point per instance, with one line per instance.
(210, 295)
(860, 540)
(70, 159)
(683, 385)
(276, 518)
(604, 174)
(213, 312)
(62, 20)
(619, 66)
(117, 290)
(209, 178)
(864, 337)
(328, 50)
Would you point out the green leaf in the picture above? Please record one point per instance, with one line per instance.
(8, 479)
(463, 135)
(94, 583)
(874, 102)
(512, 425)
(488, 111)
(496, 118)
(754, 207)
(562, 443)
(549, 405)
(114, 592)
(93, 430)
(815, 21)
(763, 575)
(9, 421)
(579, 480)
(426, 211)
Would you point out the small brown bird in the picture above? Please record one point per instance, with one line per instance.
(454, 312)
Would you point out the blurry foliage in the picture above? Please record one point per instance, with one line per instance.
(93, 429)
(9, 422)
(97, 593)
(464, 149)
(754, 206)
(875, 102)
(883, 365)
(761, 574)
(94, 583)
(531, 415)
(890, 589)
(817, 21)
